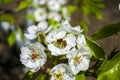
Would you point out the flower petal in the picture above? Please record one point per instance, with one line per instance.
(32, 29)
(42, 25)
(30, 36)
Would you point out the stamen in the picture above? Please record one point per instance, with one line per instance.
(34, 55)
(60, 43)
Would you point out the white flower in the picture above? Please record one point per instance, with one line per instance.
(81, 41)
(40, 2)
(61, 72)
(55, 16)
(33, 56)
(62, 2)
(5, 25)
(34, 31)
(40, 14)
(65, 14)
(75, 30)
(59, 42)
(53, 5)
(79, 59)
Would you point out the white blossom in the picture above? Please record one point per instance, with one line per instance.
(40, 14)
(65, 14)
(63, 2)
(75, 30)
(61, 72)
(34, 31)
(81, 41)
(59, 42)
(55, 16)
(33, 56)
(79, 59)
(53, 5)
(5, 25)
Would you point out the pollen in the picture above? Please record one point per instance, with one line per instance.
(77, 59)
(60, 43)
(34, 55)
(58, 75)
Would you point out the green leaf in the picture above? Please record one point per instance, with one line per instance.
(7, 17)
(71, 9)
(80, 76)
(30, 16)
(23, 5)
(28, 75)
(106, 31)
(110, 69)
(11, 38)
(5, 1)
(20, 33)
(97, 51)
(41, 77)
(83, 25)
(55, 25)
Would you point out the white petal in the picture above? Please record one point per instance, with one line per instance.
(81, 41)
(55, 16)
(85, 51)
(40, 14)
(60, 34)
(42, 25)
(71, 40)
(53, 5)
(32, 29)
(30, 36)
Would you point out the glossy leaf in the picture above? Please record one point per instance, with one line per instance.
(11, 38)
(23, 5)
(97, 51)
(7, 17)
(80, 76)
(107, 31)
(110, 70)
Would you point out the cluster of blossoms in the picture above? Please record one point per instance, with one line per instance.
(65, 41)
(51, 9)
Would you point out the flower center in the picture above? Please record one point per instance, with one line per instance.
(77, 59)
(41, 13)
(34, 55)
(60, 43)
(58, 75)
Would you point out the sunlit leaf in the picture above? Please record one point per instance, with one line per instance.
(110, 69)
(23, 5)
(41, 77)
(80, 76)
(97, 51)
(5, 1)
(7, 17)
(30, 16)
(20, 32)
(11, 38)
(71, 9)
(107, 31)
(55, 24)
